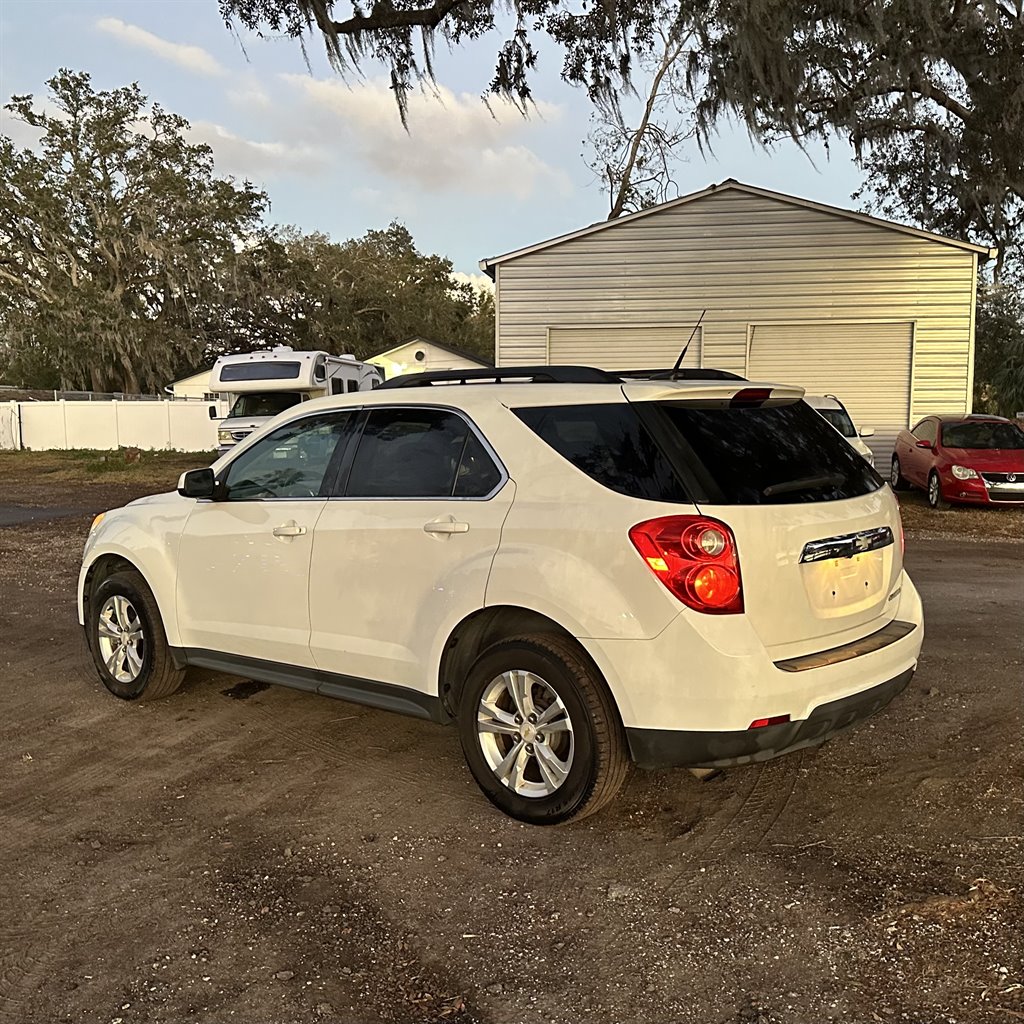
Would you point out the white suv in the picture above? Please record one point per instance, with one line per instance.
(577, 570)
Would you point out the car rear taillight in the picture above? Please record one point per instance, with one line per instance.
(696, 558)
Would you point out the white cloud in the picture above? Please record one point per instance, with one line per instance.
(249, 95)
(246, 158)
(454, 143)
(192, 58)
(481, 282)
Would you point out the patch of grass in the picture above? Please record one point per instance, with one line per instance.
(89, 465)
(966, 521)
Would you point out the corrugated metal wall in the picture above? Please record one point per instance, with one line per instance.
(623, 348)
(749, 259)
(866, 365)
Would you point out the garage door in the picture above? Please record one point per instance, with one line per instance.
(623, 348)
(865, 365)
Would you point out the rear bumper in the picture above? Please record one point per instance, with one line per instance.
(712, 674)
(675, 748)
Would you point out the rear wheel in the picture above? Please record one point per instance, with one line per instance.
(127, 640)
(896, 477)
(540, 731)
(935, 498)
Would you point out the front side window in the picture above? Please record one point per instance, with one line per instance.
(420, 453)
(986, 434)
(290, 462)
(925, 431)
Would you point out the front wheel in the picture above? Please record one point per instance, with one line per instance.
(935, 498)
(540, 731)
(127, 640)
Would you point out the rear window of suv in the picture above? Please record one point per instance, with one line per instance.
(707, 452)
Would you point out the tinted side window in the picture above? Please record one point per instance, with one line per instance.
(610, 445)
(478, 475)
(766, 454)
(408, 453)
(290, 462)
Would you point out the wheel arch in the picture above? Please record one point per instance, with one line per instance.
(484, 628)
(105, 565)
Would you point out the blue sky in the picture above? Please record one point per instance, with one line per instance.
(331, 152)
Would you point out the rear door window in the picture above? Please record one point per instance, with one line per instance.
(420, 453)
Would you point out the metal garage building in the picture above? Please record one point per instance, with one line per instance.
(880, 314)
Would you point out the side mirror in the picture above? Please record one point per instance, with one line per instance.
(213, 412)
(924, 444)
(197, 483)
(866, 431)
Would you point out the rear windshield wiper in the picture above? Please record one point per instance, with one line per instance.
(807, 483)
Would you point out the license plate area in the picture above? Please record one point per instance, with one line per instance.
(844, 586)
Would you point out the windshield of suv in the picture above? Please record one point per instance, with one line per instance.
(264, 403)
(982, 434)
(840, 419)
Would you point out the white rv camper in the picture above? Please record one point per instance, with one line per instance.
(267, 382)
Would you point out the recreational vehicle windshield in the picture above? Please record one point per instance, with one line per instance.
(267, 382)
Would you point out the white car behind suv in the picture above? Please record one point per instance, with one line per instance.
(830, 408)
(579, 571)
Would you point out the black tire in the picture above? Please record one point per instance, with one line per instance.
(158, 676)
(897, 480)
(935, 498)
(599, 764)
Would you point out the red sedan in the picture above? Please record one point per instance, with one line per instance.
(973, 459)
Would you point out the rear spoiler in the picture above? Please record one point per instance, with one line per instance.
(720, 393)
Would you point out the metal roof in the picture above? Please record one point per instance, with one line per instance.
(487, 265)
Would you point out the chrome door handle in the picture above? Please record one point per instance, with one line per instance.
(447, 526)
(289, 530)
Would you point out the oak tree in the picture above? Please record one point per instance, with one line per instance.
(115, 232)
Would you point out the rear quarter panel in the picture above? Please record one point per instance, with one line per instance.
(565, 550)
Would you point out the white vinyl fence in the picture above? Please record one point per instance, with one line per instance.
(44, 426)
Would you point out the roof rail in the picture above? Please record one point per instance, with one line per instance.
(683, 373)
(503, 374)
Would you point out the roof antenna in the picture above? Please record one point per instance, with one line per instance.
(679, 361)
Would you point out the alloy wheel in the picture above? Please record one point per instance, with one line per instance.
(122, 642)
(525, 733)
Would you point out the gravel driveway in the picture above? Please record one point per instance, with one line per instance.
(250, 853)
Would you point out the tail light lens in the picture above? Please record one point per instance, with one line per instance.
(696, 558)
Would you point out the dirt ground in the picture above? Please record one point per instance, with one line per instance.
(248, 853)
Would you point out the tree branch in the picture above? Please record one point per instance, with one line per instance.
(386, 17)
